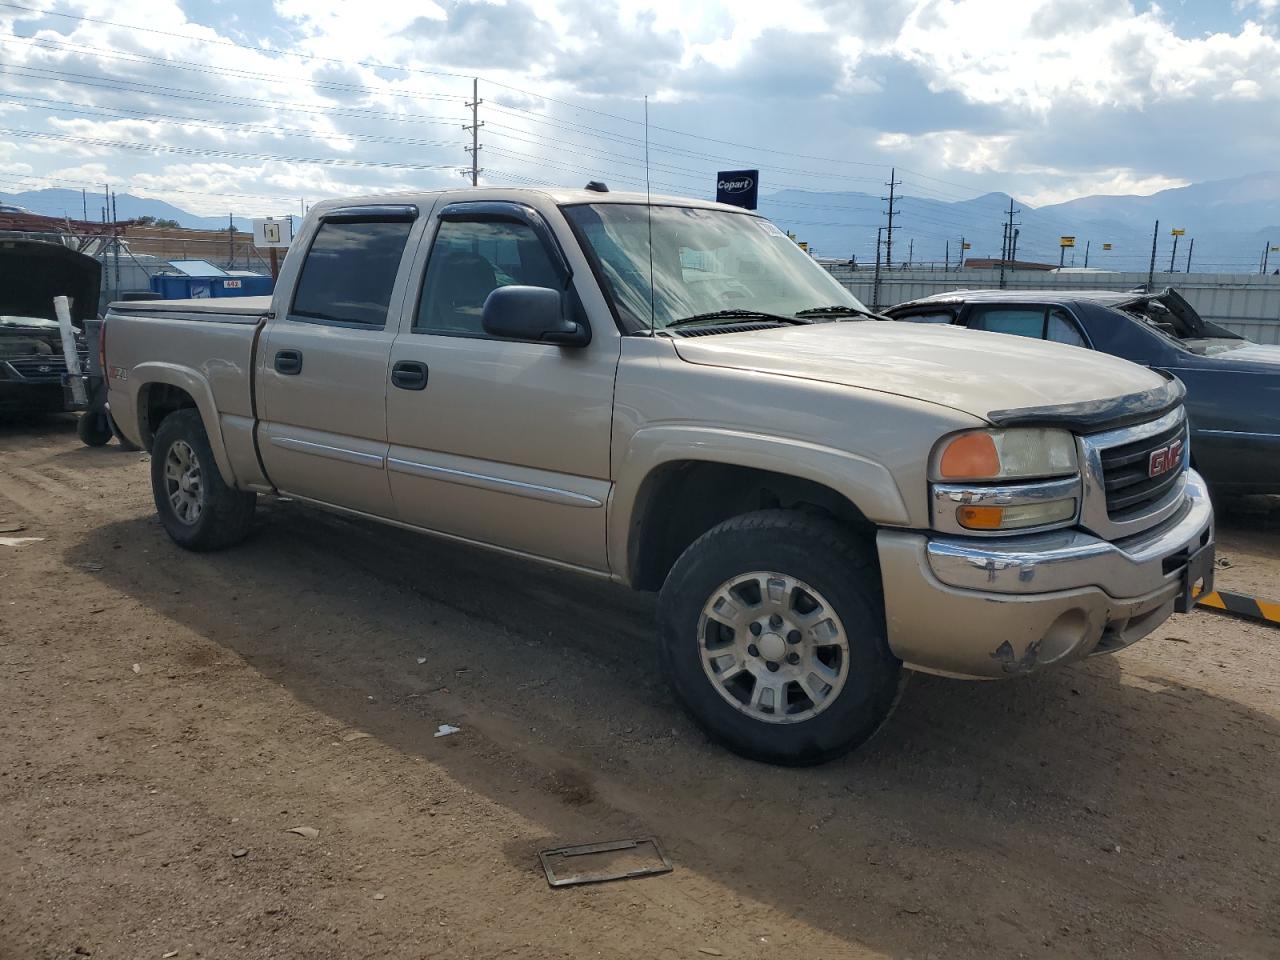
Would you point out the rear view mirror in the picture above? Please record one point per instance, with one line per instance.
(532, 313)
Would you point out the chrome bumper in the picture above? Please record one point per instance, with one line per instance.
(964, 606)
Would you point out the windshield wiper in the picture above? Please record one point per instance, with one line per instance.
(735, 315)
(838, 310)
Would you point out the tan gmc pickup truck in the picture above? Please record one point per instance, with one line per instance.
(676, 397)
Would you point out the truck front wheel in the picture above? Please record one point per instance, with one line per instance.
(197, 507)
(773, 637)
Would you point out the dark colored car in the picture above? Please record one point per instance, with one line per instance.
(31, 361)
(1233, 384)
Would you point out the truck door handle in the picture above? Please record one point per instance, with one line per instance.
(289, 362)
(409, 375)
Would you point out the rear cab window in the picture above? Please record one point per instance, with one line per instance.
(350, 271)
(942, 315)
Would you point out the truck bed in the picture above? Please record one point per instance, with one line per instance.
(204, 348)
(219, 309)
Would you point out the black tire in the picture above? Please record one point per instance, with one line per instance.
(94, 428)
(224, 516)
(838, 566)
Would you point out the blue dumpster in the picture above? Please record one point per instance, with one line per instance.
(200, 279)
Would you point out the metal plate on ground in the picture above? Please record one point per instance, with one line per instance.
(600, 862)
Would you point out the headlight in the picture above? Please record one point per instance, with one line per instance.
(1005, 481)
(1017, 453)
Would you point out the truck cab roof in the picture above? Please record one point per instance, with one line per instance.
(560, 196)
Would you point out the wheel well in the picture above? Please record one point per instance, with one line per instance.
(157, 402)
(681, 501)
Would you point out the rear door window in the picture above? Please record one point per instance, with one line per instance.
(1020, 321)
(1038, 323)
(350, 271)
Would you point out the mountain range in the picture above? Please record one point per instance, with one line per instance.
(71, 203)
(1231, 221)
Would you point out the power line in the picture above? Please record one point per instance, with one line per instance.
(205, 68)
(124, 113)
(265, 51)
(757, 148)
(180, 93)
(232, 154)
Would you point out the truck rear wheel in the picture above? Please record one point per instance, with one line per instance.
(94, 428)
(197, 507)
(773, 638)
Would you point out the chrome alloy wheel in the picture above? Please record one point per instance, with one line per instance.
(773, 647)
(183, 483)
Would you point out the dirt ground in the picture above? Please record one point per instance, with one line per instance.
(164, 712)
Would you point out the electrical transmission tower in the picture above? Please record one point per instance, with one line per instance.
(474, 130)
(893, 184)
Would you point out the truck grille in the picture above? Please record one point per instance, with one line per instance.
(45, 367)
(1130, 488)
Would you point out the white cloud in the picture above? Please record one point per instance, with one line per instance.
(1043, 98)
(1040, 53)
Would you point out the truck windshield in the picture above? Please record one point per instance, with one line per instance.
(704, 261)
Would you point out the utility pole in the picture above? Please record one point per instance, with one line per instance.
(1009, 235)
(875, 284)
(474, 149)
(115, 241)
(84, 202)
(1174, 252)
(946, 266)
(1266, 255)
(960, 256)
(1151, 271)
(231, 241)
(893, 183)
(1086, 253)
(1190, 246)
(911, 250)
(1013, 248)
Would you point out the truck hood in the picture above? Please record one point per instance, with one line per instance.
(36, 271)
(989, 375)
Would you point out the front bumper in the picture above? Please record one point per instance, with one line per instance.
(988, 608)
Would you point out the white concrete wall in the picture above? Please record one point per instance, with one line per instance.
(1248, 305)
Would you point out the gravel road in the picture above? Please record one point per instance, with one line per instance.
(169, 717)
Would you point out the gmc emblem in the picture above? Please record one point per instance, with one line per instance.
(1165, 459)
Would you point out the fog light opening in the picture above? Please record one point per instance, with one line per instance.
(1064, 636)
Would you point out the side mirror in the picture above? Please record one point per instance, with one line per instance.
(532, 313)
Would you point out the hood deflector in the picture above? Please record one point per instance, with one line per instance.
(1092, 416)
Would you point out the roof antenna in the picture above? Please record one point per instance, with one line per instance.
(648, 203)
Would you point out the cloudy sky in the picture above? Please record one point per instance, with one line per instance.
(256, 105)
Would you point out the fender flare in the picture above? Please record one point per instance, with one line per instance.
(866, 484)
(197, 387)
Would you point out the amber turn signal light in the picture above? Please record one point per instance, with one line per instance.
(971, 456)
(981, 518)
